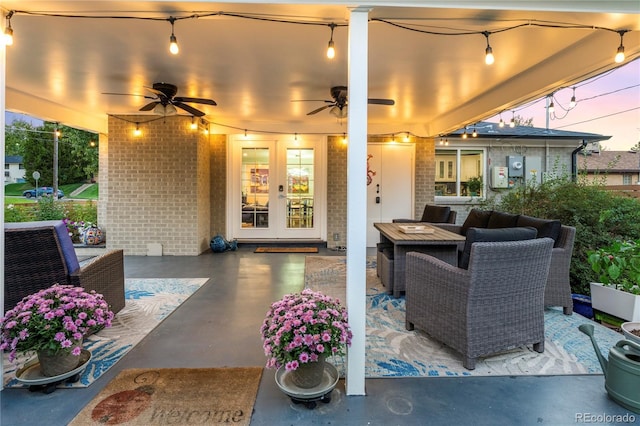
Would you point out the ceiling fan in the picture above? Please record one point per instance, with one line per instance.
(339, 103)
(165, 100)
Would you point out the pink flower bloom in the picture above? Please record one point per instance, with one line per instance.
(76, 351)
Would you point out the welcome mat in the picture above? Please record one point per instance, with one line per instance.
(148, 302)
(176, 396)
(392, 351)
(286, 250)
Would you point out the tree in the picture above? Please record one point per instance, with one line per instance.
(77, 155)
(521, 121)
(16, 136)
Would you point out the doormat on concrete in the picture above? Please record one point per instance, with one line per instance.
(286, 250)
(177, 396)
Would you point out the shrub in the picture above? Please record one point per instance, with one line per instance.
(599, 216)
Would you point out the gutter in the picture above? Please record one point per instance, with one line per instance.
(574, 161)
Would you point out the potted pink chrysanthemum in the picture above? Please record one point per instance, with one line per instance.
(303, 329)
(53, 322)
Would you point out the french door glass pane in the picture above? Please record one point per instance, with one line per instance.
(300, 187)
(255, 187)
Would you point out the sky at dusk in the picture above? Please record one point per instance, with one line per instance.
(608, 105)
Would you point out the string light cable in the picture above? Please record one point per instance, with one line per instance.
(420, 28)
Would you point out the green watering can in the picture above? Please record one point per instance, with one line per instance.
(621, 371)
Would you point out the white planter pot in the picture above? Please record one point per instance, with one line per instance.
(615, 302)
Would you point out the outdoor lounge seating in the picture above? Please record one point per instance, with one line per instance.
(40, 254)
(433, 214)
(495, 305)
(558, 288)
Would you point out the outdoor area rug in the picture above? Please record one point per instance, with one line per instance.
(148, 302)
(176, 396)
(392, 351)
(286, 250)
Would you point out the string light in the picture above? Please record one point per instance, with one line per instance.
(488, 52)
(331, 50)
(572, 103)
(8, 31)
(344, 139)
(137, 131)
(464, 135)
(620, 53)
(551, 107)
(501, 123)
(406, 137)
(512, 123)
(475, 133)
(173, 41)
(194, 125)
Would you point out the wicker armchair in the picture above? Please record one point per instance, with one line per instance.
(496, 304)
(40, 254)
(558, 289)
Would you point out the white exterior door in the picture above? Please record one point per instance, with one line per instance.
(390, 182)
(277, 188)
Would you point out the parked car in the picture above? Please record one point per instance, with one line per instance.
(43, 190)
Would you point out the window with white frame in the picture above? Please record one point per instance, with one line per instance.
(627, 179)
(460, 172)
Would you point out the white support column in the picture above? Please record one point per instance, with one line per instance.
(357, 197)
(3, 73)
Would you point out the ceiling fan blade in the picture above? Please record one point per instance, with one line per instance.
(189, 109)
(312, 100)
(150, 106)
(381, 101)
(195, 100)
(128, 94)
(322, 108)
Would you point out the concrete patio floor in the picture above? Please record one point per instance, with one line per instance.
(219, 326)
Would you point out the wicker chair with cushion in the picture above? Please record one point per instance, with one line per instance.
(558, 290)
(40, 254)
(495, 305)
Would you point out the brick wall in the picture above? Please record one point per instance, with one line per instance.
(337, 177)
(218, 162)
(157, 185)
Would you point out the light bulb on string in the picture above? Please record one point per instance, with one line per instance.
(8, 31)
(464, 134)
(194, 125)
(475, 133)
(551, 107)
(488, 52)
(331, 49)
(620, 53)
(137, 131)
(572, 103)
(173, 41)
(501, 123)
(512, 123)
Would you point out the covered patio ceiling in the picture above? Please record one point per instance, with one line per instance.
(253, 64)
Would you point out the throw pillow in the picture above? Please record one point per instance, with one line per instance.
(546, 227)
(475, 235)
(477, 219)
(436, 214)
(502, 220)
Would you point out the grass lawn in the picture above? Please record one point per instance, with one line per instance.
(13, 192)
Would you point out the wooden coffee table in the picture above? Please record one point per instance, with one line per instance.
(435, 241)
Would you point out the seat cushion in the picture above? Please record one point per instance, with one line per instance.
(546, 227)
(68, 251)
(502, 220)
(477, 219)
(475, 235)
(436, 214)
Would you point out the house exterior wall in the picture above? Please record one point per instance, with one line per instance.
(218, 184)
(336, 191)
(14, 172)
(158, 186)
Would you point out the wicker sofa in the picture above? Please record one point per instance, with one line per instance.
(558, 288)
(40, 254)
(494, 305)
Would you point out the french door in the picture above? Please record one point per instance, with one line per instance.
(277, 188)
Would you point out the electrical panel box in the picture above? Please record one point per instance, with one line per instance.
(499, 177)
(515, 163)
(532, 169)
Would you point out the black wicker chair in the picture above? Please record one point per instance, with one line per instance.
(496, 304)
(40, 254)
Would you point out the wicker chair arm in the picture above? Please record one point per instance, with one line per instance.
(105, 275)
